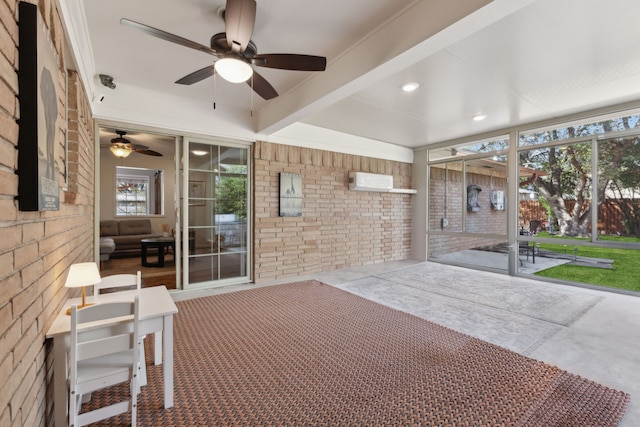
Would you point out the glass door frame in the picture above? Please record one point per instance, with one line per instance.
(184, 217)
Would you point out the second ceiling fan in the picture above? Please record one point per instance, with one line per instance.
(236, 52)
(121, 147)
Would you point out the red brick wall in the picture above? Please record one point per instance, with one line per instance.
(338, 227)
(440, 244)
(36, 248)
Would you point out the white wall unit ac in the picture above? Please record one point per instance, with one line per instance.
(360, 181)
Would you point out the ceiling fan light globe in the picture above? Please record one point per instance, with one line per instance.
(121, 150)
(233, 70)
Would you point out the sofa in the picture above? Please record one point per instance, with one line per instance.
(125, 235)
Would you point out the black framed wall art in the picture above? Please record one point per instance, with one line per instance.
(38, 165)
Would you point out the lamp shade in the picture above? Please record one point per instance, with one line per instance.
(233, 70)
(120, 149)
(83, 274)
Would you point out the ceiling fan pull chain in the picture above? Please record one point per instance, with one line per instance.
(252, 80)
(214, 88)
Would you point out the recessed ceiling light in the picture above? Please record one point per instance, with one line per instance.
(479, 117)
(199, 152)
(410, 87)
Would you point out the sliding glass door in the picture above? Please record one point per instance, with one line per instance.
(467, 204)
(216, 192)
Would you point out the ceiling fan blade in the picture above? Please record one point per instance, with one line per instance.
(138, 147)
(196, 76)
(168, 36)
(262, 87)
(239, 19)
(148, 152)
(290, 61)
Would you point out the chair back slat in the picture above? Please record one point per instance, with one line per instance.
(104, 346)
(103, 311)
(118, 282)
(88, 333)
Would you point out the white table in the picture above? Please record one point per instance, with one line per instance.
(156, 314)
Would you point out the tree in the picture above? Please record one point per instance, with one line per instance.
(623, 185)
(231, 195)
(567, 179)
(567, 185)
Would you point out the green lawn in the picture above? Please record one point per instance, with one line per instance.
(624, 275)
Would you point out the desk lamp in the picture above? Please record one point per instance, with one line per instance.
(81, 275)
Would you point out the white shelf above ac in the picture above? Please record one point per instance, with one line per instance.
(403, 190)
(361, 181)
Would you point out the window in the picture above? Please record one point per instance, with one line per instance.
(132, 194)
(585, 178)
(560, 178)
(597, 127)
(497, 147)
(586, 213)
(577, 187)
(138, 192)
(467, 199)
(619, 184)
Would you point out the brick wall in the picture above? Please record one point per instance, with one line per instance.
(36, 248)
(338, 227)
(486, 221)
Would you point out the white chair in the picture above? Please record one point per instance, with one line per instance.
(125, 282)
(118, 282)
(104, 352)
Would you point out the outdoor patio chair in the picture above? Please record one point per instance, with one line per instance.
(527, 249)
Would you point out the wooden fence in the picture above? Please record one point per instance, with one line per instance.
(610, 217)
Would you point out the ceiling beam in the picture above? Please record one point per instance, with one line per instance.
(420, 30)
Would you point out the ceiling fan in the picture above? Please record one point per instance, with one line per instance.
(236, 52)
(122, 147)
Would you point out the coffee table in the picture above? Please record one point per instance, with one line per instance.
(159, 243)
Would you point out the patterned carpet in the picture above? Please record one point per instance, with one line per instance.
(308, 354)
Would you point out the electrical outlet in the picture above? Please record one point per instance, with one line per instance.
(445, 222)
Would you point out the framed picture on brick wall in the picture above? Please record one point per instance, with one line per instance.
(290, 194)
(38, 80)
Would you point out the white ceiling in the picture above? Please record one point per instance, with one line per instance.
(517, 61)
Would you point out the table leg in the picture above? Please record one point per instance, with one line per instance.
(143, 253)
(60, 380)
(161, 255)
(167, 334)
(157, 344)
